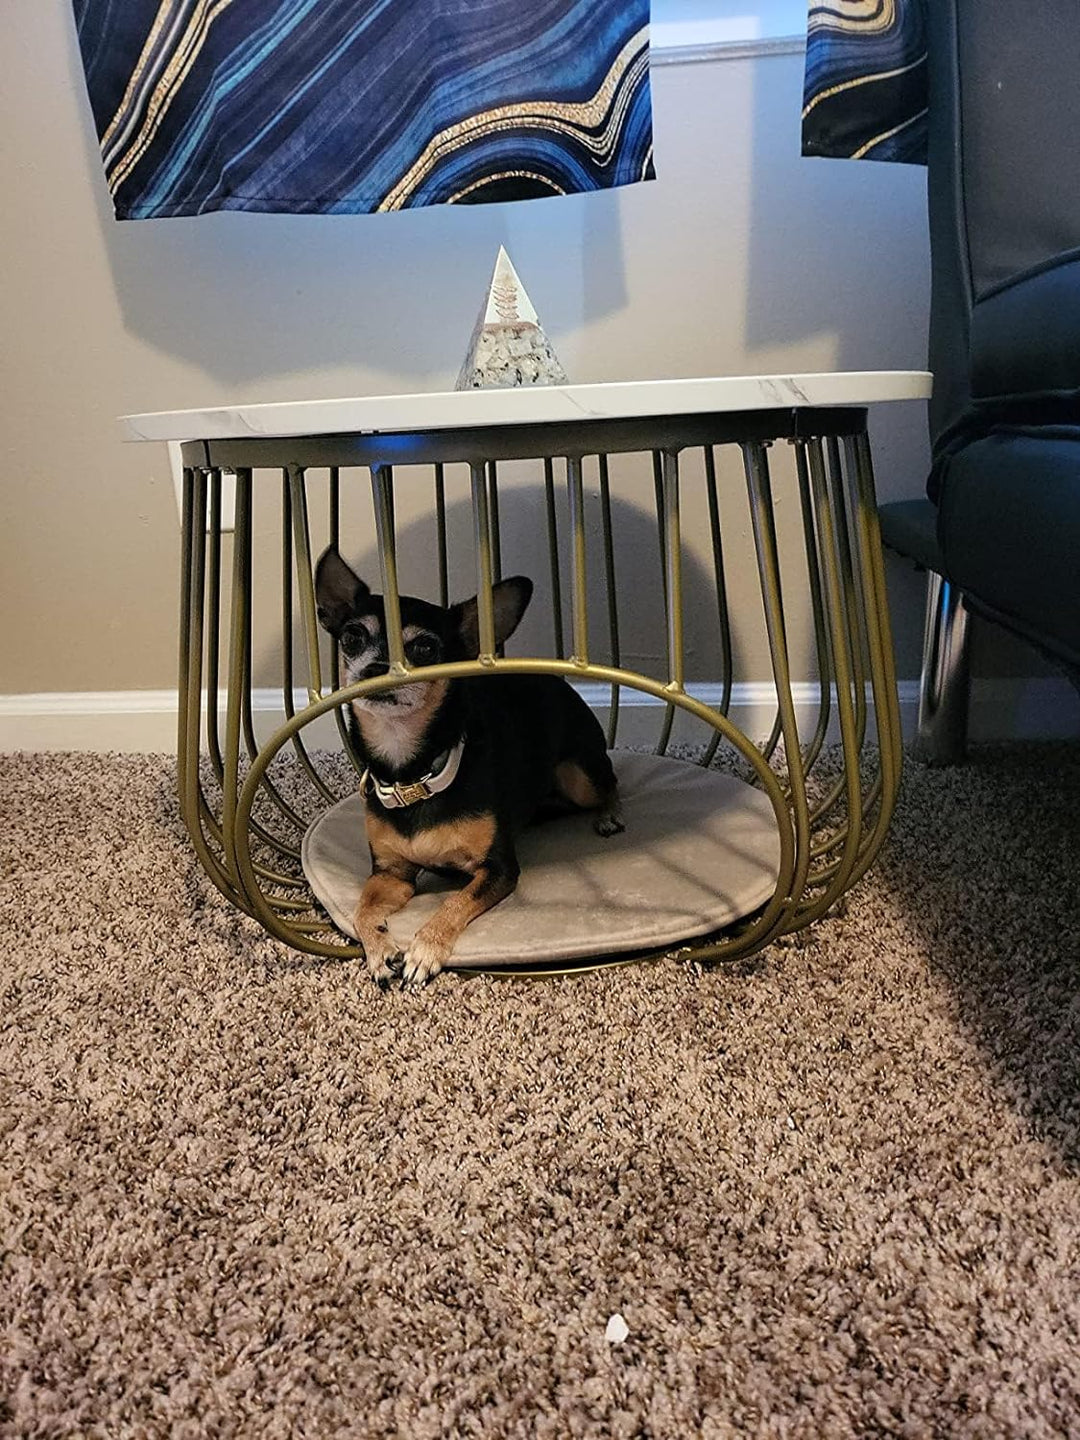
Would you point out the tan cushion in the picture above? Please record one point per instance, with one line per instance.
(700, 850)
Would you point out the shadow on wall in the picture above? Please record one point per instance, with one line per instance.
(858, 273)
(252, 297)
(837, 247)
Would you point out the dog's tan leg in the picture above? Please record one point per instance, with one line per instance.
(586, 793)
(434, 942)
(388, 890)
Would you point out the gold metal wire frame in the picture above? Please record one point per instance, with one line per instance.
(831, 819)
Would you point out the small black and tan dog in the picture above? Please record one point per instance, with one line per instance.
(455, 768)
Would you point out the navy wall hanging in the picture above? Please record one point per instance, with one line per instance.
(866, 82)
(352, 106)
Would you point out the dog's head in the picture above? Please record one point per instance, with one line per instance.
(356, 618)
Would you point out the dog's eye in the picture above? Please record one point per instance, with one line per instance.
(354, 638)
(423, 650)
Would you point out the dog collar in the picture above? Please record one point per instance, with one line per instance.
(395, 795)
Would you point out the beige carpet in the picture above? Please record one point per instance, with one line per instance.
(833, 1191)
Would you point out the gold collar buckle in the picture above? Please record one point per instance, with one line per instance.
(410, 794)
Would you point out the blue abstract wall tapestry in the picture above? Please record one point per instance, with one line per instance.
(865, 92)
(353, 106)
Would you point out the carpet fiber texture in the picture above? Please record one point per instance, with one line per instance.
(832, 1190)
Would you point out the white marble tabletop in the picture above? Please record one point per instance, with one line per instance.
(530, 405)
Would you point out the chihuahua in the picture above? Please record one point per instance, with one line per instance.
(455, 769)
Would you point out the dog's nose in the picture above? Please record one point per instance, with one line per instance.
(377, 667)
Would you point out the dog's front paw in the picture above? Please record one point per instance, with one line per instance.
(384, 958)
(608, 824)
(424, 958)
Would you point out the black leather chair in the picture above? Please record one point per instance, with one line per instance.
(1000, 531)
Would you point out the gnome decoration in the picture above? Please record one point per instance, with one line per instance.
(508, 346)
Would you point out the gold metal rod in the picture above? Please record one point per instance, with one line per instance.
(673, 548)
(335, 506)
(213, 630)
(612, 594)
(496, 531)
(340, 720)
(302, 543)
(482, 539)
(756, 466)
(288, 677)
(865, 614)
(768, 520)
(578, 601)
(239, 699)
(840, 631)
(291, 907)
(773, 739)
(382, 492)
(831, 835)
(553, 557)
(247, 718)
(308, 765)
(196, 812)
(305, 583)
(881, 652)
(263, 910)
(817, 610)
(238, 615)
(671, 559)
(212, 687)
(212, 825)
(440, 536)
(528, 665)
(854, 600)
(312, 927)
(722, 614)
(493, 520)
(658, 493)
(187, 560)
(872, 570)
(247, 723)
(658, 497)
(335, 649)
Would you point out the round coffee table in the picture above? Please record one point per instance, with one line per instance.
(807, 538)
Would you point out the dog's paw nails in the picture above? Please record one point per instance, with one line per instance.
(423, 962)
(417, 979)
(608, 825)
(384, 966)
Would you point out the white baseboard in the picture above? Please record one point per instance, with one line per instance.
(144, 721)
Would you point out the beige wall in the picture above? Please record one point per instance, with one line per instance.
(742, 257)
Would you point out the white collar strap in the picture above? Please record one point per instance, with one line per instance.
(395, 795)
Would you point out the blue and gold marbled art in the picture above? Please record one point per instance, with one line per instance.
(865, 92)
(353, 106)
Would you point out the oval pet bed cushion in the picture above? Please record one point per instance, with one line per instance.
(700, 850)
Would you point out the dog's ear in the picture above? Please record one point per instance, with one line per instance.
(338, 591)
(509, 598)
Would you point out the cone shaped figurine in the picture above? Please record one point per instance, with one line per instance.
(508, 345)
